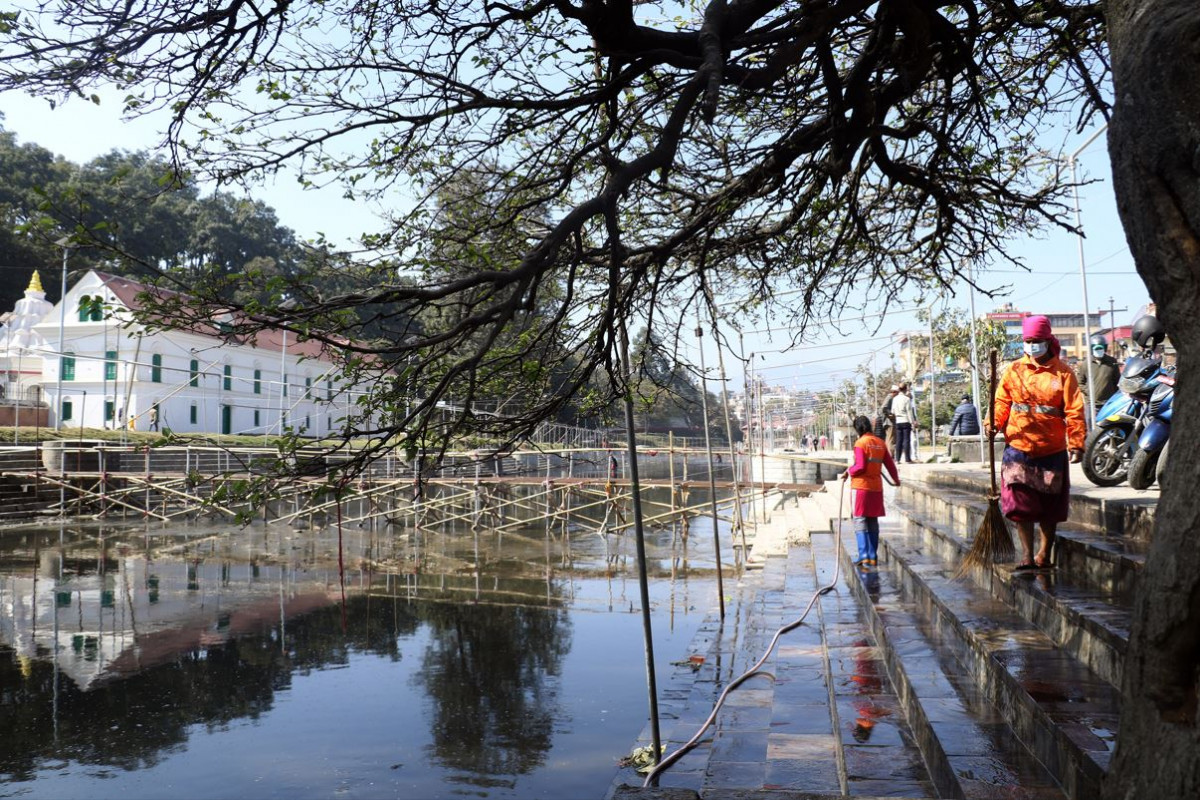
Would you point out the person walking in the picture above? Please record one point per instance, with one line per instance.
(871, 457)
(966, 418)
(904, 412)
(1105, 372)
(1039, 408)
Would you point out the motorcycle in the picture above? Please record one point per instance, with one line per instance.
(1143, 466)
(1109, 447)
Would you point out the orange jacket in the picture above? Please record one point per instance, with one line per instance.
(1039, 407)
(875, 455)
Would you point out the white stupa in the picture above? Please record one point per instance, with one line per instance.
(21, 347)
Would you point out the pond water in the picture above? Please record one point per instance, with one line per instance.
(214, 662)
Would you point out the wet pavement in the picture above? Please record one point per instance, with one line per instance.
(822, 717)
(828, 721)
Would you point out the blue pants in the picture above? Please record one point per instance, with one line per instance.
(866, 531)
(903, 442)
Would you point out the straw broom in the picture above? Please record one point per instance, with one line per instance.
(993, 543)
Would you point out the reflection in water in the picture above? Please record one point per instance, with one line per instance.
(120, 646)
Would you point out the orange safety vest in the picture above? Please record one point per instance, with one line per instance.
(875, 450)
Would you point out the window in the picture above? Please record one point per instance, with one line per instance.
(194, 373)
(192, 414)
(91, 309)
(67, 409)
(228, 382)
(109, 410)
(329, 390)
(308, 388)
(257, 421)
(110, 365)
(156, 368)
(67, 368)
(285, 386)
(258, 381)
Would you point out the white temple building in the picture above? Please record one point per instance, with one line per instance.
(107, 371)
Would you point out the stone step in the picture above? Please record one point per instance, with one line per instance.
(1092, 624)
(969, 746)
(1059, 709)
(1120, 511)
(1108, 564)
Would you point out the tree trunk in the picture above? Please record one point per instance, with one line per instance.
(1154, 144)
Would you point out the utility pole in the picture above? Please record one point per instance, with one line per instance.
(1112, 315)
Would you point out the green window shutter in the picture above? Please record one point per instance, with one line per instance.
(256, 418)
(329, 390)
(228, 383)
(110, 365)
(194, 373)
(308, 388)
(285, 385)
(109, 410)
(156, 368)
(192, 414)
(68, 409)
(67, 365)
(257, 382)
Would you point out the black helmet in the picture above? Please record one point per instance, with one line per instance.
(1148, 332)
(1098, 340)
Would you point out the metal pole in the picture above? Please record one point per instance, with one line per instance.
(975, 363)
(712, 478)
(733, 463)
(1073, 160)
(932, 390)
(282, 379)
(62, 322)
(639, 529)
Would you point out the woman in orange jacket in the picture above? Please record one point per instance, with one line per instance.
(1039, 408)
(871, 457)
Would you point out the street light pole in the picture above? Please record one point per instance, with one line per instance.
(1073, 160)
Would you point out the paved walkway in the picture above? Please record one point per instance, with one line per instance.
(825, 722)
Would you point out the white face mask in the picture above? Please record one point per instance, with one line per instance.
(1036, 349)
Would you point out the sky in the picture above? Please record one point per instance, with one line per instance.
(80, 130)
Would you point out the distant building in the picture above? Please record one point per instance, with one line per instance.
(113, 372)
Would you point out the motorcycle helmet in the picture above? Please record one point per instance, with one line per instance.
(1148, 332)
(1098, 340)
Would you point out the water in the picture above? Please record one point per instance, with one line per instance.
(212, 662)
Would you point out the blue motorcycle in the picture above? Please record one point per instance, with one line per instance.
(1109, 447)
(1152, 443)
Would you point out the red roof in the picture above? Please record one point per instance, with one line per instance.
(127, 291)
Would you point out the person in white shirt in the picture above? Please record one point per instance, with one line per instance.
(904, 411)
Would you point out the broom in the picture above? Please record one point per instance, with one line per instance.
(993, 543)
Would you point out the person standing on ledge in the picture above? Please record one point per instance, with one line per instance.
(1039, 409)
(871, 457)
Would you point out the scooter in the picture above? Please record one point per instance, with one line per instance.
(1110, 445)
(1143, 466)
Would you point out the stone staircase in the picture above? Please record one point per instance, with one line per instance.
(1005, 684)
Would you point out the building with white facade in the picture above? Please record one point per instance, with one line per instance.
(108, 371)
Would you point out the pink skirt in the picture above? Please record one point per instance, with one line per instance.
(868, 503)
